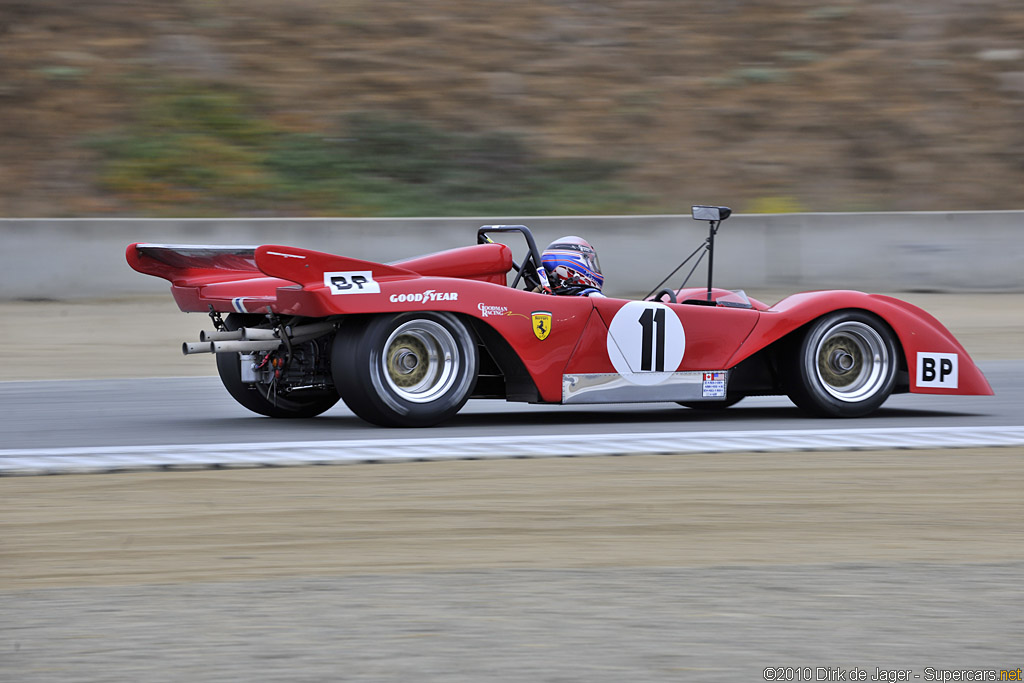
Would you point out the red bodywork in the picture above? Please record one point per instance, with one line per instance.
(575, 341)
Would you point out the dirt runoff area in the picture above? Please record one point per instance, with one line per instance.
(141, 337)
(954, 506)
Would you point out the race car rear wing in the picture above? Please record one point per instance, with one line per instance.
(181, 263)
(248, 279)
(226, 278)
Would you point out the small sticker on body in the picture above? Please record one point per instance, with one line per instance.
(713, 385)
(351, 282)
(542, 324)
(938, 370)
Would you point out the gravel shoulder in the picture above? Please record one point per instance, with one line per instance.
(564, 513)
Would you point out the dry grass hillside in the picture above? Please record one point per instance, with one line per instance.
(245, 107)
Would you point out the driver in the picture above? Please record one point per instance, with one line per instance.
(572, 263)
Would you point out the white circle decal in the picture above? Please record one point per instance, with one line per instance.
(646, 342)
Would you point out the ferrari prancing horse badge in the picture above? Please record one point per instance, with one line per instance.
(542, 324)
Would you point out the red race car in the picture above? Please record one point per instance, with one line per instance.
(407, 343)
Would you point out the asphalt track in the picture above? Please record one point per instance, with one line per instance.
(197, 410)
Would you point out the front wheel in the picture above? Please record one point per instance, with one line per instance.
(844, 366)
(405, 370)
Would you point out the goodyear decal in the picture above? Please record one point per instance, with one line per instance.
(424, 297)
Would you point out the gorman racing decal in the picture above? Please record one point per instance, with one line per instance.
(646, 342)
(425, 297)
(541, 324)
(937, 370)
(351, 282)
(486, 311)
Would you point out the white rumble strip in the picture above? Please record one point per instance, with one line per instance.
(32, 461)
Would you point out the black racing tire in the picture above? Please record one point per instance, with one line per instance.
(844, 365)
(229, 367)
(711, 405)
(405, 370)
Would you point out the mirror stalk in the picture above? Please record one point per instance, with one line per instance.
(712, 229)
(714, 215)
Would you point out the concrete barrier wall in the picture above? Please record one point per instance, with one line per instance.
(75, 258)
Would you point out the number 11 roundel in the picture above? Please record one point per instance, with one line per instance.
(646, 342)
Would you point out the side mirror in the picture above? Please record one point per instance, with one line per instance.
(710, 213)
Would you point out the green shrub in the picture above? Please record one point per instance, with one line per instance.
(197, 149)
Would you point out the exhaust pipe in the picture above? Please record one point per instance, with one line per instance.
(188, 348)
(258, 334)
(242, 333)
(311, 331)
(253, 339)
(245, 346)
(261, 334)
(220, 335)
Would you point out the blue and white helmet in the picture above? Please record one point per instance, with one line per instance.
(573, 261)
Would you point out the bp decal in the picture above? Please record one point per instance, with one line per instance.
(646, 342)
(350, 282)
(938, 370)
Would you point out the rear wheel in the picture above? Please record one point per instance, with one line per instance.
(405, 370)
(252, 396)
(844, 366)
